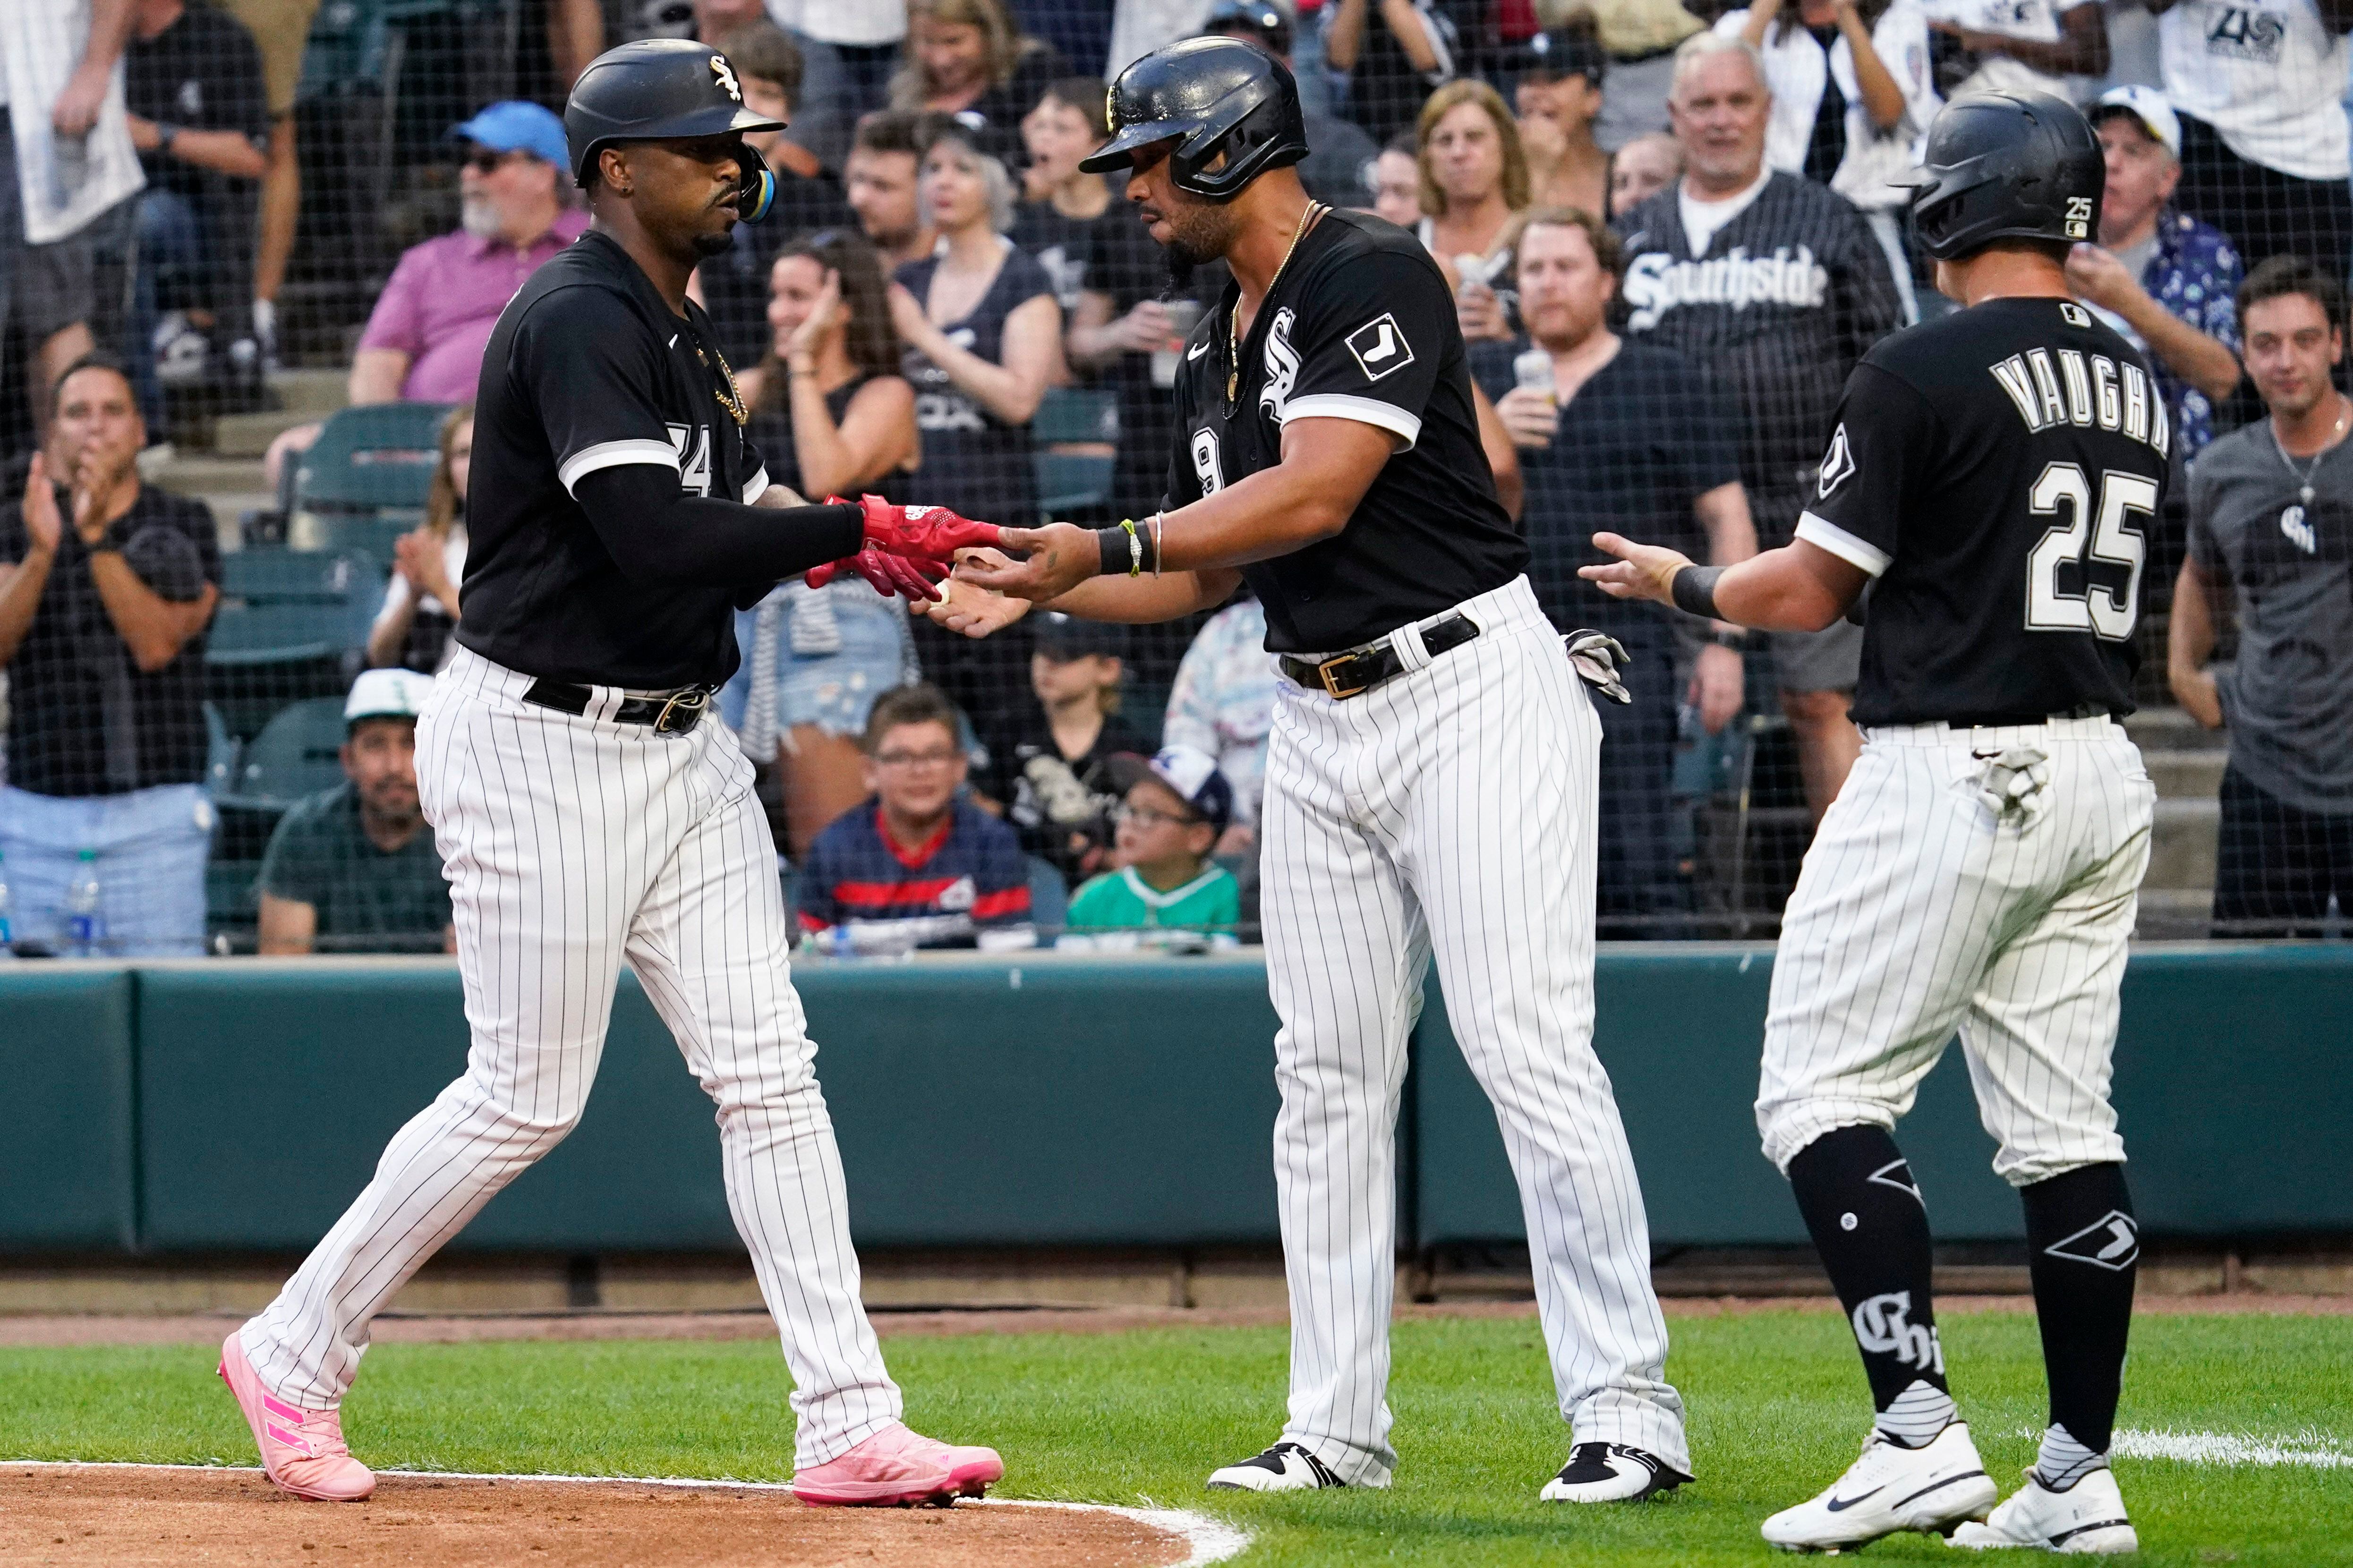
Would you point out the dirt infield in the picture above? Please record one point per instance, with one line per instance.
(138, 1515)
(49, 1330)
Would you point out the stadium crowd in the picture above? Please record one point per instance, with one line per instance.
(1670, 232)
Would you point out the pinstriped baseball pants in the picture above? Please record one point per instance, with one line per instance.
(1919, 912)
(573, 845)
(1449, 812)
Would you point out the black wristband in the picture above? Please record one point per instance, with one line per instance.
(1694, 591)
(1116, 546)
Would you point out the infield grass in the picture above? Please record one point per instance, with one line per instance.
(1777, 1401)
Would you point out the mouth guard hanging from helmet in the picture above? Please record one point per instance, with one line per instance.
(1232, 109)
(660, 90)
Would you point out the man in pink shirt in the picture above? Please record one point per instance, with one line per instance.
(424, 339)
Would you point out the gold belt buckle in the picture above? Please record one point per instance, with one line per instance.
(694, 698)
(1332, 683)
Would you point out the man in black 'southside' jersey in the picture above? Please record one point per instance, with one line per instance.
(1431, 770)
(1991, 478)
(587, 817)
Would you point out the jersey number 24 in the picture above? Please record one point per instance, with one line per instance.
(2094, 607)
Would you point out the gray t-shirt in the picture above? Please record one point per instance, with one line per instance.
(2289, 700)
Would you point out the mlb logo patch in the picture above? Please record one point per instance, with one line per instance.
(1380, 347)
(2079, 217)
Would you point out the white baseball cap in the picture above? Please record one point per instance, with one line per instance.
(2148, 106)
(386, 694)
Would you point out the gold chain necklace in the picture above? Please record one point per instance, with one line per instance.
(1233, 318)
(732, 399)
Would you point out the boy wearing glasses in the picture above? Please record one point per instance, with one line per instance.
(1166, 892)
(917, 864)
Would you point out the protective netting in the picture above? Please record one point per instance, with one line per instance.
(295, 223)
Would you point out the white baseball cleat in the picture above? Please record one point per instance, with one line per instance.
(2088, 1517)
(1891, 1488)
(1285, 1468)
(1611, 1472)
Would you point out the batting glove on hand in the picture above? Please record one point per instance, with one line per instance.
(890, 573)
(1597, 657)
(923, 533)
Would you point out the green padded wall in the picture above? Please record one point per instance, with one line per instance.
(67, 1164)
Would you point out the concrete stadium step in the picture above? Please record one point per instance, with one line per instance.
(2181, 848)
(2170, 730)
(314, 393)
(303, 395)
(230, 486)
(2187, 775)
(2175, 914)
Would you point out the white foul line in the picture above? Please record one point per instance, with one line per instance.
(2312, 1449)
(1211, 1540)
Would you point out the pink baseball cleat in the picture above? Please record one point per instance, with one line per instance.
(899, 1469)
(302, 1450)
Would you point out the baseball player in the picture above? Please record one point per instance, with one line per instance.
(1431, 775)
(1991, 480)
(587, 817)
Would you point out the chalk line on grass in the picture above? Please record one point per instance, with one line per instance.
(2312, 1449)
(1210, 1540)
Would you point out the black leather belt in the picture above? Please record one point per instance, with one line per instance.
(2009, 721)
(1352, 674)
(671, 715)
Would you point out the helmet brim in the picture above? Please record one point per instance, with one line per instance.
(702, 123)
(1120, 151)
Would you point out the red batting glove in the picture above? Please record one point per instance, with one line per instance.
(886, 572)
(926, 532)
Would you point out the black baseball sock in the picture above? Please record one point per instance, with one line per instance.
(2082, 1251)
(1871, 1227)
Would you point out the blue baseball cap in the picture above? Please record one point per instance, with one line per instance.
(516, 126)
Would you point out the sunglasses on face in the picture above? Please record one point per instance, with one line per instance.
(488, 160)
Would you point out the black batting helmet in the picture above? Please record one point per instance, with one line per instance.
(657, 88)
(2006, 165)
(1212, 95)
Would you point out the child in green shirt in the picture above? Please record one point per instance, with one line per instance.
(1165, 892)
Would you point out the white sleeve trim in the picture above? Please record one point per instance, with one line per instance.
(756, 485)
(1845, 545)
(1389, 416)
(612, 455)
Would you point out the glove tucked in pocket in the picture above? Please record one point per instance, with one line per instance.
(1597, 656)
(2011, 780)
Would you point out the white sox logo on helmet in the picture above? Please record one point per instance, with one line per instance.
(726, 75)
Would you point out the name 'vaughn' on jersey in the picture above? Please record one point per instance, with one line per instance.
(1997, 473)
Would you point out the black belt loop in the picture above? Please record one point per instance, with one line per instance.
(672, 715)
(1354, 673)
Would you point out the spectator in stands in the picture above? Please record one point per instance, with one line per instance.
(2164, 280)
(1393, 53)
(1852, 97)
(2259, 88)
(1046, 761)
(424, 339)
(193, 85)
(1062, 207)
(1641, 169)
(413, 629)
(1814, 295)
(733, 287)
(1223, 705)
(281, 29)
(1474, 186)
(352, 868)
(2268, 510)
(1339, 154)
(1165, 892)
(105, 587)
(835, 417)
(48, 206)
(1623, 432)
(2023, 45)
(1396, 182)
(1559, 98)
(1641, 37)
(851, 48)
(982, 338)
(880, 177)
(967, 58)
(915, 865)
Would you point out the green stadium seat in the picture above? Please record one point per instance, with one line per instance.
(296, 754)
(221, 751)
(1069, 483)
(231, 908)
(280, 606)
(1070, 415)
(376, 461)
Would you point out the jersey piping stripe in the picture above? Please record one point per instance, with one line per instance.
(1364, 410)
(1830, 536)
(756, 485)
(612, 455)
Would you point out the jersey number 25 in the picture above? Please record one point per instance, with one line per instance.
(2092, 606)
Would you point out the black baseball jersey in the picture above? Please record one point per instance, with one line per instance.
(1360, 325)
(588, 369)
(1996, 473)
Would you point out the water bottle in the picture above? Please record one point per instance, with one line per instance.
(7, 916)
(85, 921)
